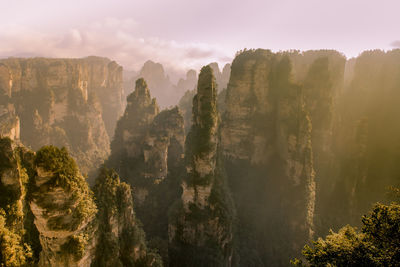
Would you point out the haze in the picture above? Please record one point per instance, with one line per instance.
(188, 34)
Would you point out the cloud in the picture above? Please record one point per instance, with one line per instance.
(395, 44)
(115, 38)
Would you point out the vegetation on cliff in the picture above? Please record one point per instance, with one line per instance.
(121, 239)
(201, 222)
(19, 243)
(147, 154)
(64, 174)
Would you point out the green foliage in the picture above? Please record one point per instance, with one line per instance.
(13, 251)
(125, 248)
(57, 161)
(378, 243)
(65, 174)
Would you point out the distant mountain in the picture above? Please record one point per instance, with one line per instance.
(64, 102)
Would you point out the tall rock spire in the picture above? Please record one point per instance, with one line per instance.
(205, 212)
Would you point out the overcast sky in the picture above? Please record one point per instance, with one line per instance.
(184, 34)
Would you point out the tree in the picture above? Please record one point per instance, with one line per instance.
(378, 243)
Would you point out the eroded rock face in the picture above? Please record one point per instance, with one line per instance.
(270, 144)
(365, 138)
(146, 140)
(9, 123)
(132, 128)
(121, 240)
(19, 237)
(147, 153)
(60, 101)
(48, 214)
(64, 210)
(204, 214)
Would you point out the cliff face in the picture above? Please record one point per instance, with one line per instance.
(121, 240)
(66, 102)
(201, 222)
(19, 238)
(64, 210)
(147, 152)
(48, 216)
(221, 78)
(366, 139)
(188, 86)
(132, 129)
(270, 143)
(9, 123)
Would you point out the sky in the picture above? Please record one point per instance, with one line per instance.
(184, 34)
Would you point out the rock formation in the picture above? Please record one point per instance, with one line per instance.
(189, 83)
(268, 137)
(201, 222)
(221, 78)
(65, 102)
(121, 240)
(147, 152)
(185, 103)
(366, 153)
(9, 123)
(64, 210)
(19, 238)
(48, 216)
(162, 88)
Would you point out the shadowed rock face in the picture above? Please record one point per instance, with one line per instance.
(147, 153)
(65, 102)
(146, 139)
(200, 229)
(132, 128)
(366, 140)
(121, 241)
(270, 143)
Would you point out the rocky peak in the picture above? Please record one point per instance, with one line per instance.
(141, 96)
(203, 134)
(159, 82)
(221, 78)
(151, 68)
(147, 153)
(204, 189)
(133, 125)
(146, 137)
